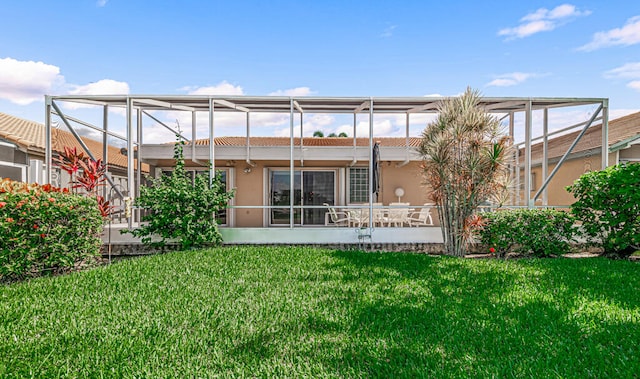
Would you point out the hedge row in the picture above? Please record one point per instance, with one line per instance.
(44, 229)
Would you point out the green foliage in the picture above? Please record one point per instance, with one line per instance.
(181, 210)
(300, 312)
(44, 229)
(463, 151)
(539, 232)
(608, 204)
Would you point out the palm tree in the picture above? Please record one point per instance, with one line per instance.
(464, 152)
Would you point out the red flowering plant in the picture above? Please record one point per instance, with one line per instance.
(87, 174)
(70, 161)
(45, 229)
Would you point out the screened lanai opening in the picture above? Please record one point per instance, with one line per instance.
(284, 177)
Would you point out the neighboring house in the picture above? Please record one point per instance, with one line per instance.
(624, 146)
(22, 153)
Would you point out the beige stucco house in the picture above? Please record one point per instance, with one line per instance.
(331, 170)
(624, 146)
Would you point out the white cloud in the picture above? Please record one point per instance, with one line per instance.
(627, 35)
(270, 119)
(23, 82)
(543, 20)
(617, 113)
(635, 84)
(510, 79)
(561, 118)
(223, 88)
(626, 71)
(101, 3)
(298, 91)
(284, 132)
(382, 127)
(527, 29)
(101, 87)
(629, 70)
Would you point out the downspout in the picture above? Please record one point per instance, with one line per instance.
(406, 157)
(248, 159)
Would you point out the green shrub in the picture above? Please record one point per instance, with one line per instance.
(44, 229)
(181, 210)
(608, 204)
(539, 232)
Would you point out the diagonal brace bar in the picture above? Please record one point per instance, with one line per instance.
(84, 146)
(569, 150)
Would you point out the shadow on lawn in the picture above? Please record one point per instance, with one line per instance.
(595, 278)
(480, 319)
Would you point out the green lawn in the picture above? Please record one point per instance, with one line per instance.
(303, 312)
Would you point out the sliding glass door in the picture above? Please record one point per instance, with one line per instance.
(310, 187)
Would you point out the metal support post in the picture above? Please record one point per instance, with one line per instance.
(605, 134)
(545, 153)
(527, 154)
(130, 168)
(291, 167)
(48, 153)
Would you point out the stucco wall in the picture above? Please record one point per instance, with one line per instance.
(570, 170)
(251, 184)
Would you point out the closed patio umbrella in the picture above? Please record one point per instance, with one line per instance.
(376, 169)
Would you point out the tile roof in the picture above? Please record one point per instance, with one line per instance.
(30, 135)
(310, 141)
(619, 129)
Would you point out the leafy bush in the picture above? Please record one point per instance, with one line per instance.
(45, 229)
(181, 210)
(608, 204)
(540, 232)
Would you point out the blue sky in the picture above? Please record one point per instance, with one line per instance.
(321, 48)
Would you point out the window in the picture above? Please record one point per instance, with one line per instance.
(221, 216)
(311, 187)
(358, 185)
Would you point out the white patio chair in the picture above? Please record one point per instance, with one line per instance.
(358, 217)
(421, 218)
(379, 215)
(398, 214)
(337, 218)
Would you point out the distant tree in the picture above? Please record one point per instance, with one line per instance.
(343, 134)
(332, 135)
(464, 153)
(318, 133)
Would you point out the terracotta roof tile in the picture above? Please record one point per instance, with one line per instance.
(30, 135)
(310, 141)
(619, 129)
